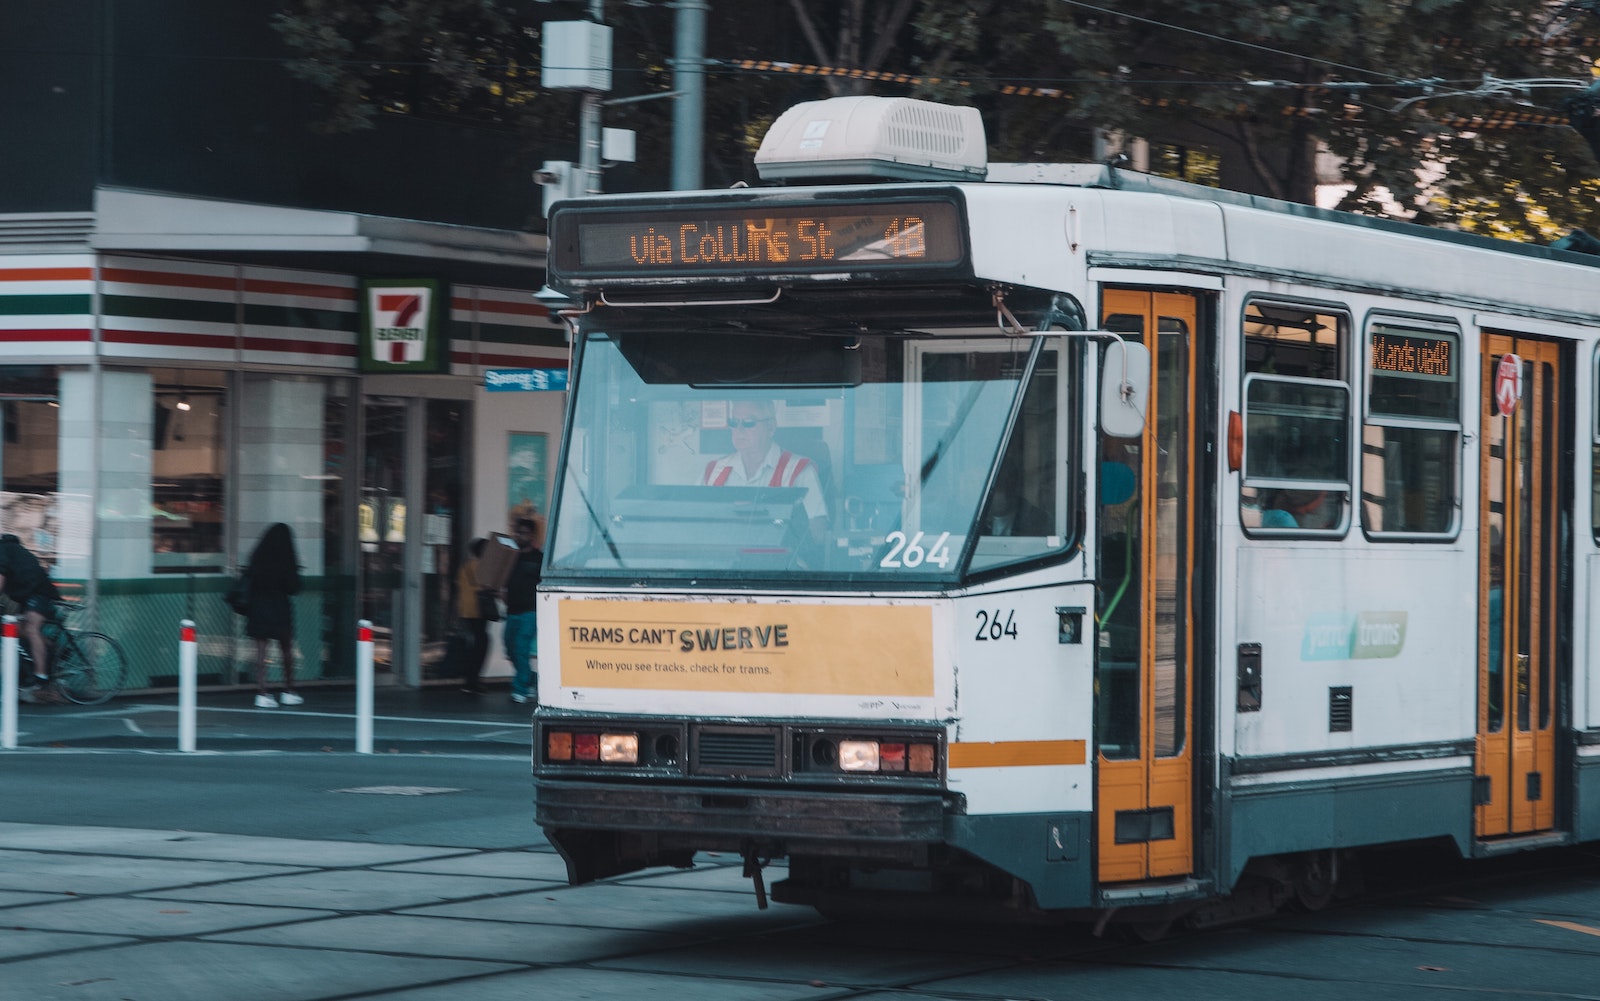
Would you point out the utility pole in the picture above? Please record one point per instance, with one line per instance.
(689, 81)
(589, 118)
(576, 55)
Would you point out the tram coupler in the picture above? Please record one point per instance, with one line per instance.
(753, 864)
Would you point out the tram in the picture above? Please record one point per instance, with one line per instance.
(1032, 539)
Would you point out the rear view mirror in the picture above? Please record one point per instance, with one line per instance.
(1124, 389)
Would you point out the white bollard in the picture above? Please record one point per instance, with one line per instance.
(8, 684)
(364, 687)
(187, 682)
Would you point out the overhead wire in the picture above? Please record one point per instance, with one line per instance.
(1487, 87)
(1229, 41)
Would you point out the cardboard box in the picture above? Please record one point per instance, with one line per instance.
(499, 556)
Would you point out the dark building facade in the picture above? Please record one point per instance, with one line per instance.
(193, 341)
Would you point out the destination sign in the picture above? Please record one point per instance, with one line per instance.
(757, 239)
(1412, 354)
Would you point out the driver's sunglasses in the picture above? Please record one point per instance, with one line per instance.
(748, 422)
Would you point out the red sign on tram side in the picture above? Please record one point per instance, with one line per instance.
(1507, 384)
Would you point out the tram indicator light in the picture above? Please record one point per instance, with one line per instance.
(887, 756)
(892, 757)
(586, 746)
(755, 239)
(558, 745)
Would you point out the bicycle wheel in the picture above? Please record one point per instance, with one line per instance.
(91, 668)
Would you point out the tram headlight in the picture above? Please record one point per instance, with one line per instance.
(619, 748)
(858, 755)
(881, 756)
(656, 748)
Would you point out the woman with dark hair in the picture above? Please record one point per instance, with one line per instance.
(476, 607)
(274, 573)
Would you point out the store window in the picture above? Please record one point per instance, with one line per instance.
(188, 471)
(1297, 420)
(30, 471)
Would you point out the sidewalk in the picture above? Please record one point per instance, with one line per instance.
(431, 720)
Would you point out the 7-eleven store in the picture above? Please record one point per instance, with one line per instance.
(177, 374)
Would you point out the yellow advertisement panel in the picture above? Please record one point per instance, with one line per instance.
(741, 647)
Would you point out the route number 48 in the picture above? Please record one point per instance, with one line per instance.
(996, 625)
(910, 554)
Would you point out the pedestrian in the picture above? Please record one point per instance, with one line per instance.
(25, 581)
(522, 627)
(476, 607)
(274, 573)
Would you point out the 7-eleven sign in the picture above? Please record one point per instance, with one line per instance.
(400, 329)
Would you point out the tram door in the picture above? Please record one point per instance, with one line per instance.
(1518, 561)
(1144, 667)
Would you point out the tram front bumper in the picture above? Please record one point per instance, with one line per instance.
(711, 818)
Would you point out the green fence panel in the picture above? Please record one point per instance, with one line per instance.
(145, 615)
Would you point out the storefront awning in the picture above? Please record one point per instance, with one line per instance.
(129, 221)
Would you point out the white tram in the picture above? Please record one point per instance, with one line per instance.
(1094, 543)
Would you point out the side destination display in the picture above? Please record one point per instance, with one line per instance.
(758, 238)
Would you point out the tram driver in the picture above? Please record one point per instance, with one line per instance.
(758, 461)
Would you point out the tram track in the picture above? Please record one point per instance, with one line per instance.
(1425, 926)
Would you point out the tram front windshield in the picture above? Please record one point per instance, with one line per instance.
(725, 456)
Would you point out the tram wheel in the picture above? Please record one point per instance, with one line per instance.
(1314, 882)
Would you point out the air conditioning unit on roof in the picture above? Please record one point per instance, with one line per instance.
(894, 138)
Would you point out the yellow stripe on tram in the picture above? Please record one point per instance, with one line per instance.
(1570, 926)
(999, 754)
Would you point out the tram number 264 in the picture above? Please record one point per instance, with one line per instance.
(914, 551)
(996, 625)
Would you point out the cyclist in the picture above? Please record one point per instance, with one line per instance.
(25, 581)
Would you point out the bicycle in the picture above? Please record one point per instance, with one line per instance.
(88, 667)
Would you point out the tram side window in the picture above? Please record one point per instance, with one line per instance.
(1412, 434)
(1297, 420)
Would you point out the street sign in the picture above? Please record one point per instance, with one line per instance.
(1507, 384)
(525, 380)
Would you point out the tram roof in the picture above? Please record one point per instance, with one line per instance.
(1105, 176)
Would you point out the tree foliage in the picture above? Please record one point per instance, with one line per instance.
(1266, 88)
(474, 60)
(1386, 96)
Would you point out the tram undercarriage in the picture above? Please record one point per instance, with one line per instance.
(884, 856)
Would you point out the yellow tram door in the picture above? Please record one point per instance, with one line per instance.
(1143, 675)
(1518, 560)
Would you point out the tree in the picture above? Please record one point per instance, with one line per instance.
(473, 60)
(1256, 94)
(479, 61)
(856, 43)
(1267, 87)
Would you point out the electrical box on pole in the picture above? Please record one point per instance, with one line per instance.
(618, 145)
(576, 55)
